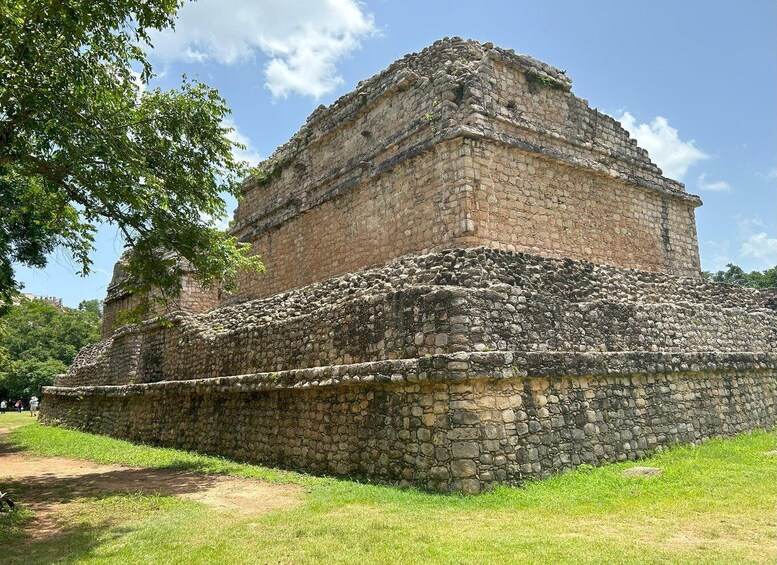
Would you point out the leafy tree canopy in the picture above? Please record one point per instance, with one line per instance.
(735, 275)
(39, 340)
(83, 141)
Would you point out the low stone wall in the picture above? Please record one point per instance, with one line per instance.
(452, 371)
(456, 422)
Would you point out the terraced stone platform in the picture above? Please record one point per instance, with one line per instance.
(453, 371)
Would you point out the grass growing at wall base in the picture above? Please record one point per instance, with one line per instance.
(62, 442)
(714, 503)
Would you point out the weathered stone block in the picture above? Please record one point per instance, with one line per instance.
(465, 449)
(463, 468)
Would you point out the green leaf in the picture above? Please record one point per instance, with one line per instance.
(81, 144)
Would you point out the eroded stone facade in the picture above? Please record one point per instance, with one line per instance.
(447, 302)
(193, 298)
(460, 422)
(461, 145)
(473, 278)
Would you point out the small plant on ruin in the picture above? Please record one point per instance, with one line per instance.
(535, 78)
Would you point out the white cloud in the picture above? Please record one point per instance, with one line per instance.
(303, 39)
(748, 225)
(249, 153)
(757, 244)
(673, 155)
(716, 255)
(769, 175)
(762, 248)
(751, 247)
(712, 186)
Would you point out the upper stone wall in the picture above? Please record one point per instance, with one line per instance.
(193, 298)
(390, 169)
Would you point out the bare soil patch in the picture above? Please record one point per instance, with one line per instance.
(47, 485)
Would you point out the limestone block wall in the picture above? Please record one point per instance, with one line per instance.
(462, 144)
(117, 300)
(193, 298)
(412, 208)
(112, 361)
(373, 128)
(565, 211)
(546, 117)
(460, 422)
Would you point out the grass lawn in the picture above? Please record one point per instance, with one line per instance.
(714, 503)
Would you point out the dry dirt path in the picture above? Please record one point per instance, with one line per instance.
(47, 484)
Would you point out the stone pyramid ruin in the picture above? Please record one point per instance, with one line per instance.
(472, 278)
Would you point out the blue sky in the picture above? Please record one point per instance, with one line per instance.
(694, 81)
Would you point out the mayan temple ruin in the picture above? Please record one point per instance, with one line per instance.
(472, 278)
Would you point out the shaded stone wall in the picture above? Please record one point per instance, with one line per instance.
(453, 371)
(193, 298)
(113, 305)
(460, 300)
(460, 422)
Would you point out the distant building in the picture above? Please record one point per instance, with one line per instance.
(53, 300)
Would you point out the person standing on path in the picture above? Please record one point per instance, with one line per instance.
(33, 405)
(3, 406)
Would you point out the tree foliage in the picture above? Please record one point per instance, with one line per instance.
(39, 340)
(82, 140)
(736, 275)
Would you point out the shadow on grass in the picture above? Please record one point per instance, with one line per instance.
(12, 524)
(38, 486)
(8, 447)
(56, 441)
(40, 492)
(70, 544)
(38, 533)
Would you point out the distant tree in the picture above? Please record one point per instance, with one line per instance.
(39, 340)
(27, 378)
(736, 275)
(95, 306)
(83, 140)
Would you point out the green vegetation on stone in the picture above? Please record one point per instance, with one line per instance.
(713, 503)
(535, 77)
